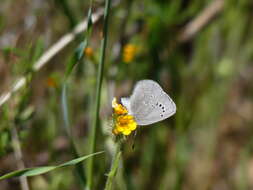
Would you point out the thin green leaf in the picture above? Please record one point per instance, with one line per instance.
(65, 108)
(89, 19)
(79, 52)
(64, 103)
(78, 160)
(37, 51)
(38, 170)
(80, 49)
(44, 169)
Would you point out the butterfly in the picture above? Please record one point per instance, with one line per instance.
(149, 103)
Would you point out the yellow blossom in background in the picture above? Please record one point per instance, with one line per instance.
(129, 52)
(123, 123)
(88, 51)
(51, 82)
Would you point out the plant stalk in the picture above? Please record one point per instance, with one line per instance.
(114, 167)
(98, 95)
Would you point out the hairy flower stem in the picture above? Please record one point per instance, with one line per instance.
(93, 133)
(114, 167)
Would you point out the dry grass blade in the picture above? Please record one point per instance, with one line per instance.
(193, 27)
(51, 52)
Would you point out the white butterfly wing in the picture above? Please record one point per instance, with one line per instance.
(126, 104)
(149, 103)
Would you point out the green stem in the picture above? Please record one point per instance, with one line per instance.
(98, 95)
(114, 167)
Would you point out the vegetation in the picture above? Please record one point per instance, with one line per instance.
(57, 88)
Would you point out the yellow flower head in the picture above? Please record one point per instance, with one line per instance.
(123, 123)
(88, 51)
(118, 108)
(129, 52)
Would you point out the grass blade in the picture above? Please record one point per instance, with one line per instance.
(79, 52)
(92, 137)
(44, 169)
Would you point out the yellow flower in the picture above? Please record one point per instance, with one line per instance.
(123, 123)
(88, 51)
(129, 52)
(118, 108)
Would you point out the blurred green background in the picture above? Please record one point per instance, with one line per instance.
(207, 144)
